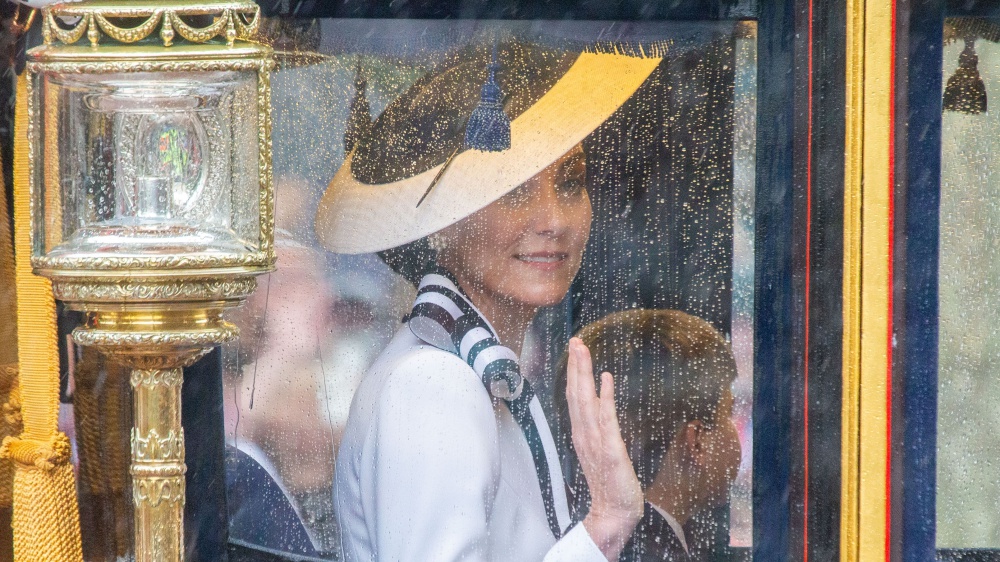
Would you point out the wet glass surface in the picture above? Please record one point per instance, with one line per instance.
(140, 167)
(668, 173)
(968, 493)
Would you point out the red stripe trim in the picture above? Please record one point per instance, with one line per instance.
(889, 289)
(808, 273)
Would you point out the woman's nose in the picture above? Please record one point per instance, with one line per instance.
(551, 213)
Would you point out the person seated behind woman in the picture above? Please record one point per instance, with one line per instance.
(673, 373)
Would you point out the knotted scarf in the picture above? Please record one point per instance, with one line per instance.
(444, 317)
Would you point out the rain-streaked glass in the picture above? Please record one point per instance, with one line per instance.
(671, 182)
(968, 439)
(148, 165)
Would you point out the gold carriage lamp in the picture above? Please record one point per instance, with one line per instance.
(152, 202)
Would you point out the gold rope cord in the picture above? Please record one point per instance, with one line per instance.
(52, 226)
(103, 415)
(46, 520)
(10, 407)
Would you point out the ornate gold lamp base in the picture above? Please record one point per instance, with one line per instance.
(156, 344)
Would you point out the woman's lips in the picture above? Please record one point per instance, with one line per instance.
(543, 260)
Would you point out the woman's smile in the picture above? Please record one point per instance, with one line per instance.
(544, 261)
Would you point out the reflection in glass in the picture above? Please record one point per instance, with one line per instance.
(742, 337)
(968, 440)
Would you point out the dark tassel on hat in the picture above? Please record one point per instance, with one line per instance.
(488, 128)
(359, 121)
(966, 91)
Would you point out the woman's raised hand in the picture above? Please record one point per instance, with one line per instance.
(616, 496)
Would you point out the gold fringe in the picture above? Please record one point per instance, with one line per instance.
(636, 49)
(46, 520)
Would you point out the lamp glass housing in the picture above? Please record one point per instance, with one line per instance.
(144, 164)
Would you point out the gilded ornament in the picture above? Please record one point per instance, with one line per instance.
(154, 491)
(232, 20)
(53, 30)
(130, 34)
(194, 338)
(155, 377)
(156, 312)
(153, 448)
(172, 290)
(113, 263)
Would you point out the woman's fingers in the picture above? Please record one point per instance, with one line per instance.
(585, 366)
(586, 392)
(580, 393)
(616, 496)
(609, 417)
(571, 385)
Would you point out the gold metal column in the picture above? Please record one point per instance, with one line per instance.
(156, 345)
(152, 240)
(158, 461)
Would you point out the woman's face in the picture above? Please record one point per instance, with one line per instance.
(526, 247)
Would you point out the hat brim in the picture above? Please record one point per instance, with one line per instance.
(358, 218)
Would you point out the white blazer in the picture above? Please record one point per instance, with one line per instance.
(430, 469)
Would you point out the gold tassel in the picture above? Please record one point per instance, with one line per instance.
(46, 520)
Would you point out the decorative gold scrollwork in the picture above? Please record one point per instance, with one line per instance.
(52, 30)
(232, 20)
(156, 377)
(112, 263)
(97, 289)
(247, 29)
(154, 491)
(196, 35)
(153, 448)
(265, 171)
(197, 338)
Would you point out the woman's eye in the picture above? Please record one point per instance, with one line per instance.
(573, 185)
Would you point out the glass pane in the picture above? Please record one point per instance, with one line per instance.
(171, 186)
(744, 168)
(618, 204)
(969, 291)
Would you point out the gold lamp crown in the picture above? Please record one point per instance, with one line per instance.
(232, 20)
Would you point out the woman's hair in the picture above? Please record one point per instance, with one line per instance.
(410, 260)
(670, 369)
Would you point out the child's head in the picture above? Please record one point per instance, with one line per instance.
(672, 386)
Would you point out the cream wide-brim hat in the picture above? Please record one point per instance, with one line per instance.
(356, 217)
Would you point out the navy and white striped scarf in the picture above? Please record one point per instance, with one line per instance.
(444, 317)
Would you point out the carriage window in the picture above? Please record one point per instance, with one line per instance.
(455, 201)
(969, 291)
